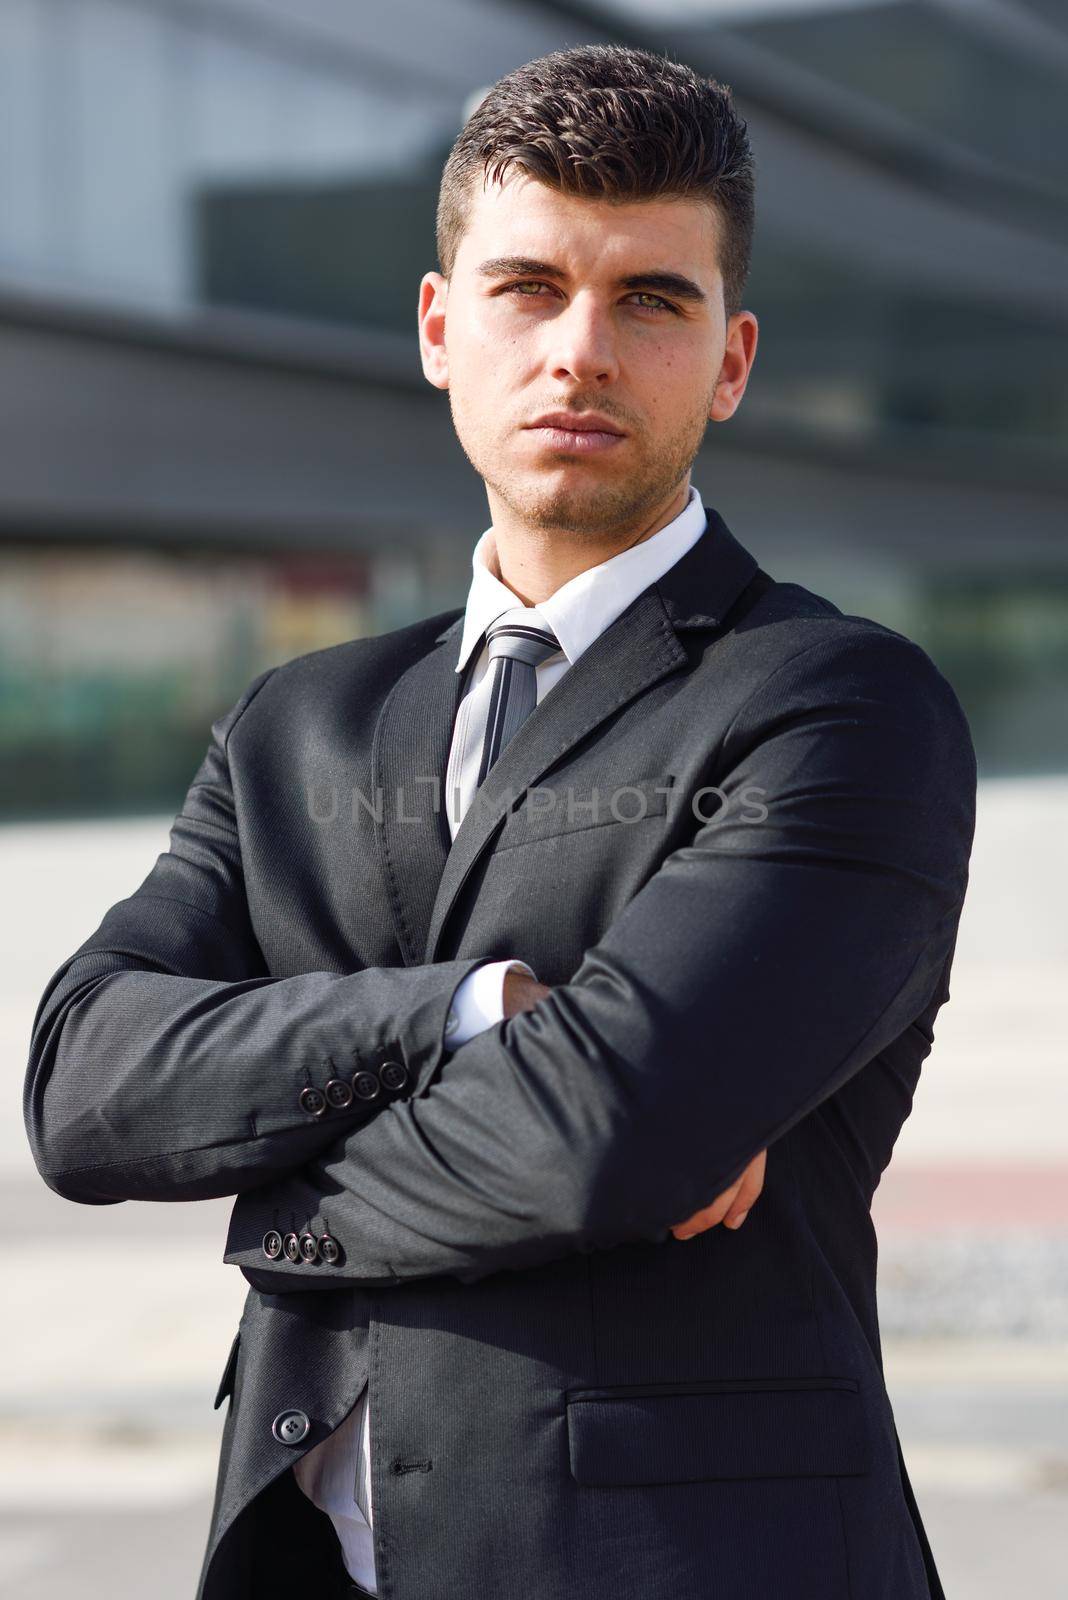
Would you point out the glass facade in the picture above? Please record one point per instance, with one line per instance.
(119, 121)
(166, 157)
(114, 662)
(958, 84)
(856, 356)
(173, 157)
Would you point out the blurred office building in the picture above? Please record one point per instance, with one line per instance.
(218, 448)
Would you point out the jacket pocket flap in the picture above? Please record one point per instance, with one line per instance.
(545, 812)
(745, 1428)
(226, 1383)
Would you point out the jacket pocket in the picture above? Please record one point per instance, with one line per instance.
(718, 1428)
(226, 1382)
(573, 810)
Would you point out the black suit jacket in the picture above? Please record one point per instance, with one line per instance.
(564, 1396)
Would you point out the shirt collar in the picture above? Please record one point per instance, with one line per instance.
(582, 608)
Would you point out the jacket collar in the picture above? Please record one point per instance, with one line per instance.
(580, 610)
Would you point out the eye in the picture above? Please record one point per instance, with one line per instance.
(643, 294)
(646, 294)
(527, 283)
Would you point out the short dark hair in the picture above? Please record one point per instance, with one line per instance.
(614, 123)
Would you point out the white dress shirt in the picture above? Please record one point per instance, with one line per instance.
(336, 1474)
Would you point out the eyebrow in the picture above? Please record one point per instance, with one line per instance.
(673, 283)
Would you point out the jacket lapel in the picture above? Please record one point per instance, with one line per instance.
(408, 760)
(426, 872)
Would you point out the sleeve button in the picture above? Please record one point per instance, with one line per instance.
(339, 1093)
(366, 1085)
(272, 1244)
(313, 1101)
(329, 1249)
(309, 1246)
(291, 1247)
(291, 1427)
(393, 1074)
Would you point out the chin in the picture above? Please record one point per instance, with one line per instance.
(557, 500)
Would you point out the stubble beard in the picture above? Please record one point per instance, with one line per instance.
(592, 502)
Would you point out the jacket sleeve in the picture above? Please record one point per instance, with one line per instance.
(167, 1064)
(800, 930)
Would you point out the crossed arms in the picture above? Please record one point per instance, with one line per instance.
(522, 993)
(758, 969)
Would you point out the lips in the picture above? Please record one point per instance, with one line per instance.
(572, 441)
(577, 422)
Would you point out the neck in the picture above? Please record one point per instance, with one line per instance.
(535, 561)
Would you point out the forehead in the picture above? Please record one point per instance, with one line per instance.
(523, 217)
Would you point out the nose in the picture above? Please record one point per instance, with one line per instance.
(582, 343)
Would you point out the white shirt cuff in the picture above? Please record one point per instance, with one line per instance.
(479, 1001)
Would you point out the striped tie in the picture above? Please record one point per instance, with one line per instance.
(519, 640)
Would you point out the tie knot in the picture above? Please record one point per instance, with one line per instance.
(522, 634)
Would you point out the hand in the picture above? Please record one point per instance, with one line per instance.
(522, 992)
(731, 1206)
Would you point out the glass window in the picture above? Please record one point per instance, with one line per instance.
(24, 167)
(121, 126)
(852, 353)
(123, 150)
(953, 80)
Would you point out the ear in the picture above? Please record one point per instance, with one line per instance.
(738, 357)
(433, 293)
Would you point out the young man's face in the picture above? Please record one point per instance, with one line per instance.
(510, 343)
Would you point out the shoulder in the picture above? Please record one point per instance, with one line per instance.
(803, 654)
(798, 634)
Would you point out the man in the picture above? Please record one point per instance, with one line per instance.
(490, 956)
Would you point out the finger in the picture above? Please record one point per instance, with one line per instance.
(732, 1205)
(708, 1216)
(749, 1191)
(740, 1196)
